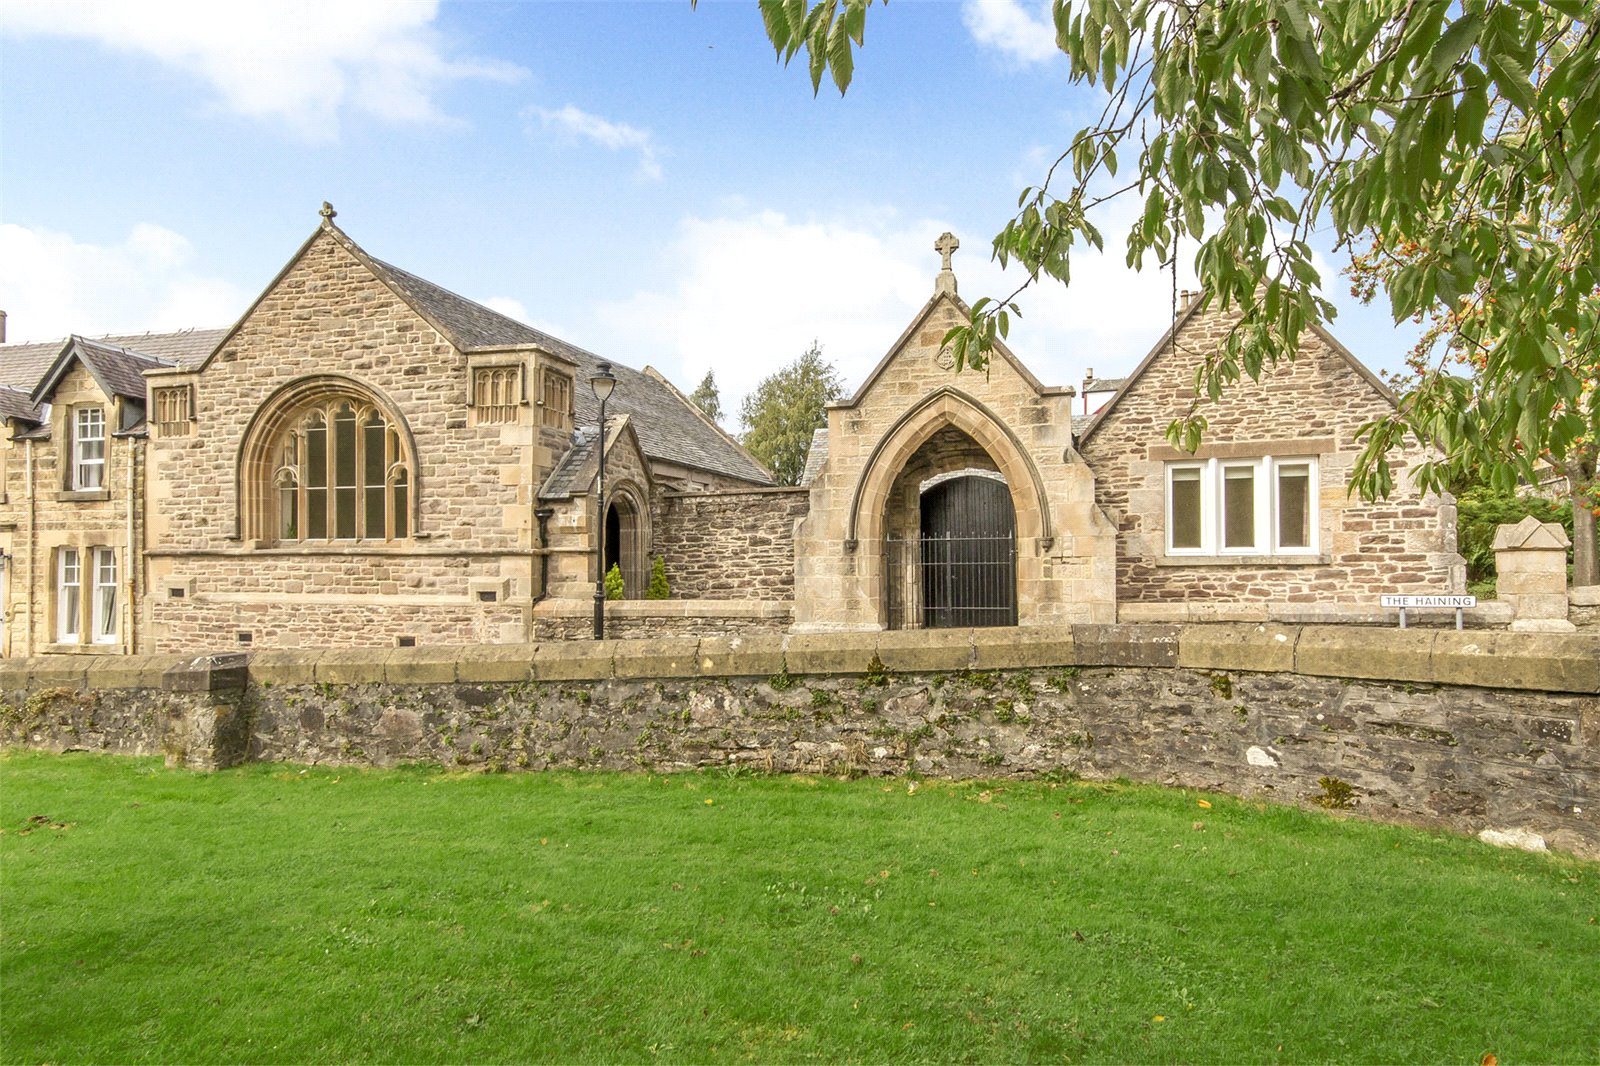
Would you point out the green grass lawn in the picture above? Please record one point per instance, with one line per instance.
(280, 914)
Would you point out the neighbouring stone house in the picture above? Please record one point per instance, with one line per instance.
(72, 488)
(366, 458)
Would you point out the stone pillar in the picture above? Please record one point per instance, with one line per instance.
(1531, 559)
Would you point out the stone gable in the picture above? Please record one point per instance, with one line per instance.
(1312, 407)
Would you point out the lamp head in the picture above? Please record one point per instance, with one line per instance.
(603, 382)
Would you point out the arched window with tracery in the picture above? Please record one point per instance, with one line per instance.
(326, 462)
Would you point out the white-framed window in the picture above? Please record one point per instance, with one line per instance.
(69, 594)
(1261, 506)
(103, 609)
(89, 448)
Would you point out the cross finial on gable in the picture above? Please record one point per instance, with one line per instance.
(946, 246)
(327, 212)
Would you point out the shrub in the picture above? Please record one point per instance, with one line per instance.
(658, 589)
(1480, 509)
(614, 582)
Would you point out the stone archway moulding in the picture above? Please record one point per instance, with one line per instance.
(947, 406)
(269, 419)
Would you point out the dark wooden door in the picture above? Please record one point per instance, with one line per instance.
(969, 554)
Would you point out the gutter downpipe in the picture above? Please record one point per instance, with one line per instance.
(33, 550)
(543, 515)
(135, 552)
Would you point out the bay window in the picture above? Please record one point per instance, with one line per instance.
(1261, 506)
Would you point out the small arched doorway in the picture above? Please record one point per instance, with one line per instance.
(626, 544)
(950, 545)
(968, 553)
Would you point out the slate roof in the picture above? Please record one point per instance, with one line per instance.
(668, 426)
(816, 455)
(565, 477)
(23, 365)
(14, 403)
(119, 371)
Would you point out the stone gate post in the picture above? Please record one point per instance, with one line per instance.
(1531, 558)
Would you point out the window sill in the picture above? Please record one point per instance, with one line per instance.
(83, 495)
(83, 649)
(1244, 560)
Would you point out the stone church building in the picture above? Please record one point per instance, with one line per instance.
(366, 458)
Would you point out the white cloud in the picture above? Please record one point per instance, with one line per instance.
(752, 290)
(55, 285)
(1021, 31)
(616, 136)
(298, 61)
(507, 306)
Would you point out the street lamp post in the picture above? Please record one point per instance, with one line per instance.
(602, 383)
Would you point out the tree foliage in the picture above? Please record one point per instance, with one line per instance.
(707, 398)
(614, 585)
(1468, 131)
(1481, 510)
(780, 416)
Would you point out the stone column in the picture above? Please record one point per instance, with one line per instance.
(1531, 559)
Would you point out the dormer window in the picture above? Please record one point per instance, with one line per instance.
(88, 448)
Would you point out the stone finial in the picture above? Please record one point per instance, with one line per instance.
(946, 246)
(328, 213)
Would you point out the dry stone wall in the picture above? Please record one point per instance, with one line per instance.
(1473, 731)
(731, 545)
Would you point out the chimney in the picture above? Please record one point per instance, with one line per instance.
(2, 327)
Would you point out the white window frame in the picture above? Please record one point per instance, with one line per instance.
(69, 594)
(1213, 518)
(105, 603)
(88, 473)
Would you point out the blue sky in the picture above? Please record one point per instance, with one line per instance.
(642, 179)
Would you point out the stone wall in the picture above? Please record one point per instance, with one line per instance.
(1472, 731)
(731, 545)
(917, 416)
(1312, 407)
(472, 483)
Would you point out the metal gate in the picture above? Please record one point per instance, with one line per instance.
(962, 570)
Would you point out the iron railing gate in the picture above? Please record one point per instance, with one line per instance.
(962, 569)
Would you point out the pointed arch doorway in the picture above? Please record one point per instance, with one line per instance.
(968, 553)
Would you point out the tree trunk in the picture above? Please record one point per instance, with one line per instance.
(1580, 470)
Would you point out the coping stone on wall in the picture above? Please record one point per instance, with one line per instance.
(573, 660)
(1023, 647)
(208, 673)
(1126, 645)
(13, 675)
(427, 664)
(495, 663)
(58, 671)
(1370, 654)
(906, 651)
(1266, 648)
(131, 671)
(736, 655)
(351, 666)
(1550, 662)
(285, 666)
(657, 657)
(844, 652)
